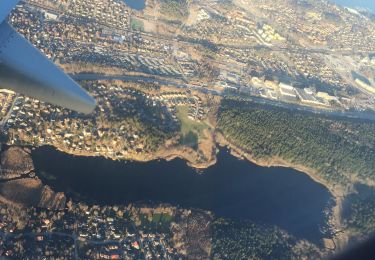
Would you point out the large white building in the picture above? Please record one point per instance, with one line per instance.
(287, 90)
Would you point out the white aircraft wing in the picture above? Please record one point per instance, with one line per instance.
(26, 70)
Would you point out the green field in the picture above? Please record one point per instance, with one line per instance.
(162, 218)
(191, 130)
(137, 25)
(159, 222)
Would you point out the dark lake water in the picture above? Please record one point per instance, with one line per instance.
(136, 4)
(232, 188)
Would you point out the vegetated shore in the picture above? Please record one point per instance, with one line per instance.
(182, 152)
(169, 151)
(341, 237)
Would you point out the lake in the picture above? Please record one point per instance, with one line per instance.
(136, 4)
(232, 188)
(362, 4)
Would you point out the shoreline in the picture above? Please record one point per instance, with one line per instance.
(182, 153)
(340, 236)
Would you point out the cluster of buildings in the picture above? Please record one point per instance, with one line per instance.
(229, 27)
(323, 24)
(187, 65)
(96, 34)
(88, 232)
(172, 100)
(76, 32)
(7, 224)
(117, 129)
(286, 92)
(225, 24)
(269, 34)
(111, 13)
(6, 101)
(125, 61)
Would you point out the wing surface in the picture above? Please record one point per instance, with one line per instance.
(24, 69)
(5, 7)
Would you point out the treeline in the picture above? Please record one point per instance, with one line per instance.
(359, 211)
(177, 9)
(247, 240)
(153, 137)
(155, 124)
(339, 150)
(136, 116)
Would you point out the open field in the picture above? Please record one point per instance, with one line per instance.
(191, 130)
(137, 25)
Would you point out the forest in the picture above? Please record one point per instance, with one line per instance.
(359, 211)
(341, 151)
(177, 9)
(248, 240)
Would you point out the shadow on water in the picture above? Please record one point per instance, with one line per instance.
(232, 188)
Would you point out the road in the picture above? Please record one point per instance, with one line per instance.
(142, 79)
(6, 117)
(346, 114)
(363, 115)
(6, 236)
(73, 236)
(190, 43)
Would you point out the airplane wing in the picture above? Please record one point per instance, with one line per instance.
(5, 7)
(26, 70)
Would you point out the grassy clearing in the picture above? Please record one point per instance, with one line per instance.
(191, 130)
(137, 25)
(158, 222)
(188, 125)
(162, 218)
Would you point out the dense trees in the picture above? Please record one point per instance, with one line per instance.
(359, 210)
(177, 9)
(341, 151)
(248, 240)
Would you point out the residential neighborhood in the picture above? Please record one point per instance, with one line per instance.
(81, 231)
